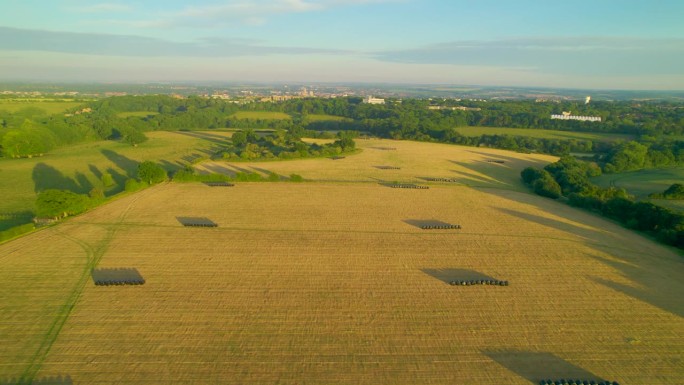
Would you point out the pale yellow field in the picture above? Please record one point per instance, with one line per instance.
(416, 160)
(332, 283)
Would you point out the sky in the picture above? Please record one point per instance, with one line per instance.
(595, 44)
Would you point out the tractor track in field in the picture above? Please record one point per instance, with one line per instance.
(94, 254)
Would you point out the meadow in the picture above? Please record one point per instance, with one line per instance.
(49, 106)
(326, 118)
(641, 183)
(542, 134)
(79, 168)
(263, 115)
(334, 282)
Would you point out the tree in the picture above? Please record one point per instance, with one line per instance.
(107, 180)
(151, 173)
(626, 156)
(239, 139)
(530, 174)
(675, 191)
(132, 136)
(53, 203)
(546, 186)
(346, 143)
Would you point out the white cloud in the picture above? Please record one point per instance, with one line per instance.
(140, 46)
(565, 55)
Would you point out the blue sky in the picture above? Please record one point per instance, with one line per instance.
(616, 44)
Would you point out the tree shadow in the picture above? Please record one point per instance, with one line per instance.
(477, 175)
(119, 182)
(220, 169)
(214, 138)
(537, 366)
(96, 171)
(84, 184)
(17, 218)
(227, 169)
(263, 171)
(47, 177)
(509, 159)
(660, 292)
(595, 236)
(449, 275)
(172, 167)
(421, 223)
(129, 166)
(660, 277)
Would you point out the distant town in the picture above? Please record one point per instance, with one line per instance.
(372, 93)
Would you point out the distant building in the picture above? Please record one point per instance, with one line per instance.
(454, 108)
(372, 100)
(567, 116)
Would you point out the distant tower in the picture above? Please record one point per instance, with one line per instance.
(587, 100)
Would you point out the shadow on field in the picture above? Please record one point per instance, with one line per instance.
(474, 175)
(15, 218)
(119, 182)
(96, 171)
(213, 138)
(196, 222)
(261, 170)
(172, 167)
(52, 380)
(227, 169)
(658, 278)
(592, 236)
(129, 166)
(659, 291)
(448, 275)
(509, 159)
(46, 177)
(219, 169)
(537, 366)
(116, 275)
(420, 223)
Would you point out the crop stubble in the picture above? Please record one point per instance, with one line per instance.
(327, 283)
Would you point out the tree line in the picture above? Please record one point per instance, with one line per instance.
(654, 124)
(569, 178)
(248, 145)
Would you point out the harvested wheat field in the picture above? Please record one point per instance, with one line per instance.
(407, 161)
(336, 283)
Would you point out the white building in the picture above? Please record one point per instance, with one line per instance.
(567, 116)
(372, 100)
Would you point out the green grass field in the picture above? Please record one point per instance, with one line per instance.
(50, 106)
(326, 118)
(139, 114)
(263, 115)
(79, 168)
(541, 134)
(641, 183)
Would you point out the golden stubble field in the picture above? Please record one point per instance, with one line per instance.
(469, 166)
(333, 283)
